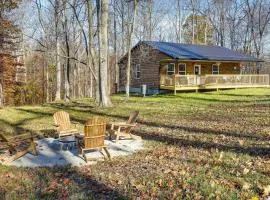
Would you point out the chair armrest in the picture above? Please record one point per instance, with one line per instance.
(125, 125)
(117, 123)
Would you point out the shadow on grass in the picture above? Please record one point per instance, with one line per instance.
(241, 95)
(223, 101)
(171, 140)
(93, 188)
(207, 131)
(17, 126)
(254, 151)
(216, 99)
(57, 183)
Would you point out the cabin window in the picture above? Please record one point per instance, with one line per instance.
(215, 69)
(138, 71)
(182, 69)
(170, 69)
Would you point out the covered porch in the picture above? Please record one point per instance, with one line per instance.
(210, 81)
(180, 75)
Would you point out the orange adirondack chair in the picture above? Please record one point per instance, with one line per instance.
(94, 135)
(63, 124)
(123, 129)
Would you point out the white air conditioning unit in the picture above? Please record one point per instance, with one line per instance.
(143, 89)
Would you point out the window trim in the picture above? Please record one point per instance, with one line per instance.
(215, 71)
(185, 68)
(136, 71)
(173, 68)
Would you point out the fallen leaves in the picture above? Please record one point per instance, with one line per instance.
(246, 171)
(67, 181)
(199, 149)
(241, 142)
(266, 190)
(246, 186)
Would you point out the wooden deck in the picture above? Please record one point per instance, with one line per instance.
(197, 82)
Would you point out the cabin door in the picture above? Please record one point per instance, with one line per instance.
(197, 72)
(197, 69)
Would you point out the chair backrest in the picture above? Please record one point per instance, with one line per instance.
(94, 133)
(62, 120)
(132, 117)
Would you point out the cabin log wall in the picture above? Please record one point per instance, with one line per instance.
(206, 67)
(149, 60)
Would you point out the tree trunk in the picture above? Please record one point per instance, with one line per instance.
(67, 65)
(58, 71)
(205, 33)
(92, 57)
(150, 19)
(47, 84)
(58, 62)
(1, 96)
(115, 49)
(123, 28)
(179, 27)
(102, 8)
(130, 32)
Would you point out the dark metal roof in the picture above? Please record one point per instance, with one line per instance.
(199, 52)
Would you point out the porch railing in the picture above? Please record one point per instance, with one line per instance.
(250, 79)
(209, 79)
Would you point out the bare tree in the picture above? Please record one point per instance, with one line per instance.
(129, 42)
(259, 17)
(92, 57)
(102, 14)
(67, 51)
(1, 96)
(179, 22)
(115, 46)
(235, 18)
(58, 49)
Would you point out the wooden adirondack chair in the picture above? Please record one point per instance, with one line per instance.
(63, 124)
(123, 129)
(94, 135)
(18, 146)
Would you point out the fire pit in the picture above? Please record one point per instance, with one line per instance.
(68, 143)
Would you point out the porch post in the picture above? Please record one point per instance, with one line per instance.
(174, 83)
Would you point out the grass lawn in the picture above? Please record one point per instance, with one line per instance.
(213, 145)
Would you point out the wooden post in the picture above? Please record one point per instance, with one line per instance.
(107, 152)
(33, 145)
(174, 83)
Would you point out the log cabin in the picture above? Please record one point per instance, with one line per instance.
(166, 66)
